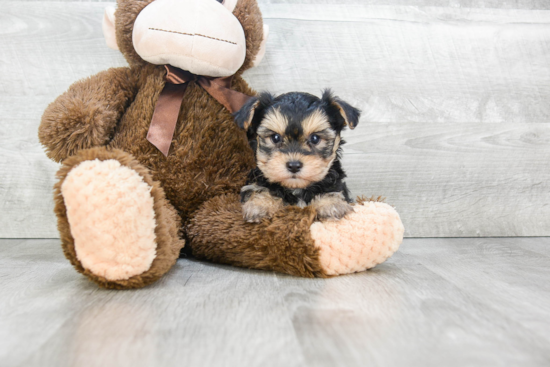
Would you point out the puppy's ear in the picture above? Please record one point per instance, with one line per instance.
(251, 114)
(245, 115)
(348, 114)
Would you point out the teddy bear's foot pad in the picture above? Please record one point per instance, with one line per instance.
(361, 240)
(112, 219)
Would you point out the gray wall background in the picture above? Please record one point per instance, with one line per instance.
(455, 97)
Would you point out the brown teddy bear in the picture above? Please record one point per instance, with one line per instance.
(152, 159)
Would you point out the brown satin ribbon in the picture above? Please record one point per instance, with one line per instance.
(165, 116)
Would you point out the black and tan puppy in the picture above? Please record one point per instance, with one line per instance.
(297, 144)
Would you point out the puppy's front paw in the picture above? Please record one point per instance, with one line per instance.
(334, 211)
(331, 205)
(253, 213)
(260, 205)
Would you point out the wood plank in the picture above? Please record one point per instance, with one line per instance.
(403, 313)
(407, 64)
(44, 48)
(513, 280)
(497, 4)
(198, 315)
(456, 180)
(456, 93)
(540, 245)
(436, 302)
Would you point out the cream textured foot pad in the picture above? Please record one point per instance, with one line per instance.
(359, 241)
(110, 211)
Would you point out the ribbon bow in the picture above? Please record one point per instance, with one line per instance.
(165, 116)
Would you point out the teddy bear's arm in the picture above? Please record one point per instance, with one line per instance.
(86, 115)
(292, 241)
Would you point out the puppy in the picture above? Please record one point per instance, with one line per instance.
(297, 145)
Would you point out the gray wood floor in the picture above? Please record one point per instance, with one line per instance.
(436, 302)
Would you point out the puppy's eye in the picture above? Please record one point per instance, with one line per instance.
(314, 139)
(276, 138)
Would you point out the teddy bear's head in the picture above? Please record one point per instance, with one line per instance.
(214, 38)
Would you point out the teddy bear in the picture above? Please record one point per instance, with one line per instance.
(152, 161)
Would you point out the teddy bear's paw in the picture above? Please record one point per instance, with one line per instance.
(361, 240)
(112, 219)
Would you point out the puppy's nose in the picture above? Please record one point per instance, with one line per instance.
(294, 166)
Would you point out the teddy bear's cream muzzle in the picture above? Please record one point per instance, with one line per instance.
(200, 36)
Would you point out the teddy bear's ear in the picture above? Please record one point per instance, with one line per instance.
(260, 55)
(348, 113)
(251, 114)
(109, 27)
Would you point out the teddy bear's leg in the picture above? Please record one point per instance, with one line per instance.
(115, 223)
(292, 241)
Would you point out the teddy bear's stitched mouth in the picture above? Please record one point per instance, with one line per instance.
(193, 34)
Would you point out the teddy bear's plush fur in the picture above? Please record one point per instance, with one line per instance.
(98, 130)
